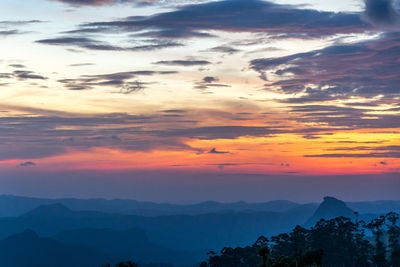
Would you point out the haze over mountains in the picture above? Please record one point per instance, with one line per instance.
(130, 230)
(16, 205)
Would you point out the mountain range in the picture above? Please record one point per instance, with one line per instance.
(172, 234)
(17, 205)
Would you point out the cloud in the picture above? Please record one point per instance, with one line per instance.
(8, 23)
(174, 111)
(81, 64)
(27, 164)
(209, 81)
(219, 132)
(215, 151)
(41, 136)
(22, 74)
(358, 155)
(9, 32)
(224, 49)
(347, 117)
(381, 12)
(28, 75)
(92, 44)
(375, 152)
(237, 16)
(222, 166)
(8, 27)
(185, 63)
(92, 2)
(17, 66)
(126, 82)
(365, 69)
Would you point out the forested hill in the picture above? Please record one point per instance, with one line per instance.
(329, 243)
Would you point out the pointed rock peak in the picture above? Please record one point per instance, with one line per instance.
(330, 208)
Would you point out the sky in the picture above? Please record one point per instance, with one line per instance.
(191, 100)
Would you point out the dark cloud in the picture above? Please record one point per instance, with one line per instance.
(22, 74)
(28, 75)
(127, 82)
(359, 70)
(174, 111)
(93, 2)
(381, 12)
(17, 66)
(347, 117)
(78, 3)
(209, 81)
(222, 166)
(92, 44)
(219, 132)
(27, 164)
(80, 64)
(11, 27)
(9, 32)
(183, 62)
(373, 152)
(224, 49)
(40, 136)
(8, 23)
(368, 148)
(215, 151)
(28, 150)
(358, 155)
(239, 16)
(44, 134)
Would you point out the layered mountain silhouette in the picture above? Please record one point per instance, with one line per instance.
(127, 244)
(180, 239)
(16, 206)
(29, 250)
(187, 232)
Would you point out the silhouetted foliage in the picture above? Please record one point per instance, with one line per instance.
(376, 227)
(331, 243)
(393, 238)
(123, 264)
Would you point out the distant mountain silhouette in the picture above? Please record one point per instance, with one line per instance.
(16, 206)
(59, 210)
(377, 207)
(178, 232)
(56, 210)
(29, 250)
(177, 239)
(130, 244)
(330, 208)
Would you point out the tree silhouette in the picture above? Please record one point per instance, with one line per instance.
(123, 264)
(393, 238)
(376, 227)
(329, 243)
(263, 252)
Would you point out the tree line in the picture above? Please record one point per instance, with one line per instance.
(331, 243)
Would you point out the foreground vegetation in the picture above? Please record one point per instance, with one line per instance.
(336, 242)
